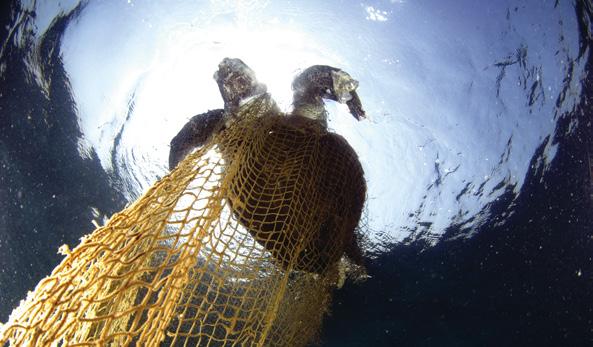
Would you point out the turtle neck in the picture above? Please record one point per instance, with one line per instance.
(311, 107)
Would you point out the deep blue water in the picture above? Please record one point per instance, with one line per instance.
(516, 270)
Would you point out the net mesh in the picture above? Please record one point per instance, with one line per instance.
(238, 246)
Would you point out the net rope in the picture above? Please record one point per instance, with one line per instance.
(240, 245)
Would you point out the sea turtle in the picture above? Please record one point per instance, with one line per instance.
(338, 187)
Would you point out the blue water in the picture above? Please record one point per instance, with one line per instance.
(478, 149)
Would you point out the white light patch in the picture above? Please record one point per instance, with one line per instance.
(164, 68)
(375, 15)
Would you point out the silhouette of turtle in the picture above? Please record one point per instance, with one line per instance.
(335, 184)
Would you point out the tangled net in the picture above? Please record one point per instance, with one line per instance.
(238, 246)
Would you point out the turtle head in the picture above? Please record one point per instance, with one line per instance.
(326, 82)
(344, 90)
(237, 83)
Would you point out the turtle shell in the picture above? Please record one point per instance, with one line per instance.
(298, 188)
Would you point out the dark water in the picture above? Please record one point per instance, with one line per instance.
(523, 280)
(46, 188)
(521, 276)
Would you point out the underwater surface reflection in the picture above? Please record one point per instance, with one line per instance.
(478, 152)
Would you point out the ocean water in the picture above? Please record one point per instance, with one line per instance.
(478, 150)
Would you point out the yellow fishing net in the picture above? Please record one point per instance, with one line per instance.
(240, 245)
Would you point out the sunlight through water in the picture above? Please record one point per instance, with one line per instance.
(437, 147)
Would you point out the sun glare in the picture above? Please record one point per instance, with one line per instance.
(276, 54)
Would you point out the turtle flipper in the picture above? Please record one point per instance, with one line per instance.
(195, 133)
